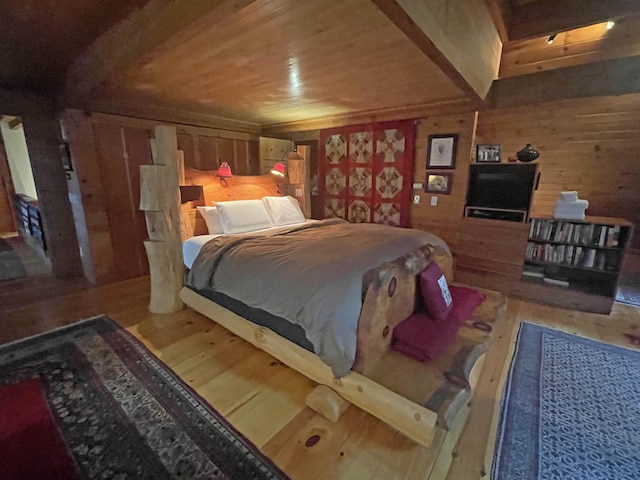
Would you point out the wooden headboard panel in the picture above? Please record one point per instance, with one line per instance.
(217, 189)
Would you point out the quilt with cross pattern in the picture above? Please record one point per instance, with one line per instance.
(366, 172)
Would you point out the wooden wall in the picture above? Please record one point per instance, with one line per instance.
(590, 145)
(205, 150)
(107, 151)
(445, 218)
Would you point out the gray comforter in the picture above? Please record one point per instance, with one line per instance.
(309, 275)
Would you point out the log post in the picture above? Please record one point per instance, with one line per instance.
(160, 199)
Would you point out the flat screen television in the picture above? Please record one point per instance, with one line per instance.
(507, 187)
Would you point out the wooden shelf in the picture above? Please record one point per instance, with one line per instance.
(29, 219)
(573, 267)
(587, 245)
(490, 255)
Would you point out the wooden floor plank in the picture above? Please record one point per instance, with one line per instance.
(265, 400)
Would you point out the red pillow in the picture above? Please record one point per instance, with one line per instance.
(423, 339)
(435, 292)
(465, 300)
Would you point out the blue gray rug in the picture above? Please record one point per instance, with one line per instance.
(571, 410)
(10, 264)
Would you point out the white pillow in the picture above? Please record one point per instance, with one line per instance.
(241, 216)
(211, 217)
(283, 210)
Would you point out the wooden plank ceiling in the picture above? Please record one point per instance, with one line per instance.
(249, 65)
(580, 46)
(41, 38)
(282, 60)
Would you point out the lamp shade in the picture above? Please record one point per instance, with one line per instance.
(224, 170)
(278, 169)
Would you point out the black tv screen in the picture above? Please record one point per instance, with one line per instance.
(506, 187)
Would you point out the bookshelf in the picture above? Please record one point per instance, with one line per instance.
(583, 256)
(29, 220)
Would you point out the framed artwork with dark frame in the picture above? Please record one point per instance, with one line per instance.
(65, 154)
(488, 153)
(438, 183)
(441, 151)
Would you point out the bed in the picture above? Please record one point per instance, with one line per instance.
(413, 397)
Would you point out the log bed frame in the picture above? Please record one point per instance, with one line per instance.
(411, 396)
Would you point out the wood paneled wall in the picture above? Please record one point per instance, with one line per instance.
(445, 219)
(107, 151)
(207, 152)
(590, 145)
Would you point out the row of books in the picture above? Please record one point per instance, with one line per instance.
(578, 233)
(573, 255)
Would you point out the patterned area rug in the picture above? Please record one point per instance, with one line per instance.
(10, 264)
(629, 289)
(120, 412)
(571, 410)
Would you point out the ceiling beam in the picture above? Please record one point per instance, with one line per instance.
(145, 30)
(500, 12)
(459, 37)
(15, 123)
(170, 115)
(546, 17)
(446, 107)
(610, 77)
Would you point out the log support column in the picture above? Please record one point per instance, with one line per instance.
(160, 200)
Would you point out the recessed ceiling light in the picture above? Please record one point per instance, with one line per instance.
(610, 24)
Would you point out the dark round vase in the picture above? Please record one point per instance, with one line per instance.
(527, 154)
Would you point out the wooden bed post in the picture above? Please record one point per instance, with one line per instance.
(160, 200)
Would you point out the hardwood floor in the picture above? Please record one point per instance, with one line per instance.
(265, 399)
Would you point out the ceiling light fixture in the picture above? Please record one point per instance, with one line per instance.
(551, 38)
(610, 24)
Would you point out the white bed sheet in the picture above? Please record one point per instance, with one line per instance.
(191, 246)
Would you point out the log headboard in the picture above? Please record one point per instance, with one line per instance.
(215, 189)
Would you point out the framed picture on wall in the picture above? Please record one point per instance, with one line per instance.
(441, 151)
(438, 183)
(488, 153)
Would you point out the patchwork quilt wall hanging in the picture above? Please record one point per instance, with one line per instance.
(366, 172)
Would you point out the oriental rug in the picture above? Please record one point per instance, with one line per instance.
(11, 266)
(571, 410)
(90, 401)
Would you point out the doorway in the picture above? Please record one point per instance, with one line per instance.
(23, 249)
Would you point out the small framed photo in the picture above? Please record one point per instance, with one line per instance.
(488, 153)
(438, 183)
(441, 151)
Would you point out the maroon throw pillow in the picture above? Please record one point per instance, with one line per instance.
(423, 339)
(435, 292)
(465, 301)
